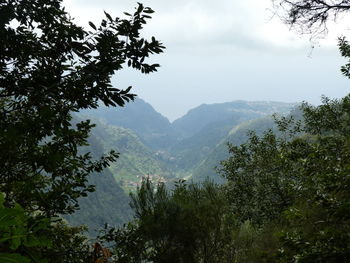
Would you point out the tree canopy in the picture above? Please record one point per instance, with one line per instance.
(286, 198)
(191, 223)
(51, 68)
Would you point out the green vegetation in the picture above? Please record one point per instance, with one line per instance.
(286, 190)
(179, 157)
(21, 233)
(151, 127)
(51, 68)
(135, 159)
(286, 199)
(236, 111)
(29, 238)
(235, 136)
(191, 224)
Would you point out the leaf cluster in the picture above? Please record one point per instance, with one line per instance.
(50, 68)
(300, 185)
(21, 235)
(190, 224)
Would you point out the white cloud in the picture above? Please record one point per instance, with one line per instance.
(199, 22)
(245, 24)
(224, 50)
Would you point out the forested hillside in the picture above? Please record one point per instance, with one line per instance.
(152, 128)
(135, 161)
(237, 135)
(109, 204)
(193, 158)
(285, 199)
(235, 112)
(235, 182)
(195, 143)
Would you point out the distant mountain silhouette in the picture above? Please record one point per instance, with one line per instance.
(204, 127)
(152, 128)
(236, 136)
(149, 144)
(236, 111)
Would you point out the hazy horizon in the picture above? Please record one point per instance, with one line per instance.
(202, 104)
(225, 51)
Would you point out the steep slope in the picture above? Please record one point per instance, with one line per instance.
(212, 125)
(189, 151)
(237, 135)
(135, 159)
(194, 156)
(160, 151)
(108, 204)
(153, 129)
(238, 111)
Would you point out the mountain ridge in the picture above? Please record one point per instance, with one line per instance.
(149, 145)
(182, 145)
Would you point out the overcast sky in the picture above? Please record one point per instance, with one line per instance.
(224, 50)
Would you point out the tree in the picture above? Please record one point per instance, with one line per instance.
(51, 68)
(294, 186)
(20, 235)
(258, 174)
(311, 16)
(191, 223)
(298, 183)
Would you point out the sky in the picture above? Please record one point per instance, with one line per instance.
(225, 50)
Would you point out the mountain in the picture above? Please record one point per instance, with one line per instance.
(135, 158)
(236, 136)
(152, 128)
(172, 150)
(149, 145)
(108, 204)
(207, 126)
(189, 151)
(236, 111)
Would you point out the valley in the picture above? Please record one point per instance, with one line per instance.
(150, 146)
(189, 148)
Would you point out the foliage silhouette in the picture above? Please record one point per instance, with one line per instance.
(49, 69)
